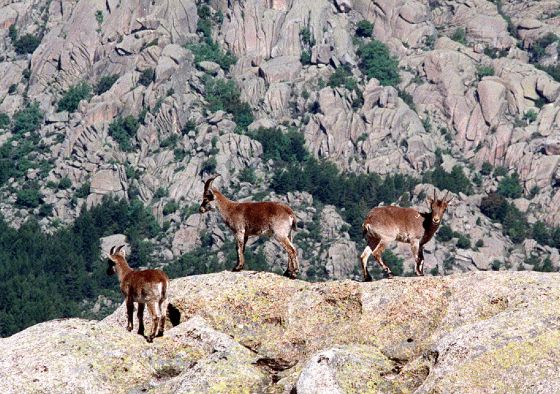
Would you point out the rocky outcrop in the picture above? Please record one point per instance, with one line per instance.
(256, 332)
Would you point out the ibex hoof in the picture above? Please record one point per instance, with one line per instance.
(237, 268)
(141, 332)
(129, 328)
(159, 334)
(368, 278)
(150, 338)
(290, 274)
(389, 275)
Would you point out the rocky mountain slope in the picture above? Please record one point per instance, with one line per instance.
(143, 100)
(259, 332)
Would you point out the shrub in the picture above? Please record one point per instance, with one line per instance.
(83, 190)
(28, 198)
(12, 89)
(538, 49)
(376, 62)
(105, 83)
(211, 51)
(486, 168)
(459, 35)
(71, 99)
(189, 126)
(170, 207)
(209, 166)
(530, 116)
(463, 242)
(12, 32)
(284, 147)
(342, 76)
(510, 186)
(161, 192)
(28, 119)
(224, 95)
(485, 71)
(479, 243)
(494, 206)
(26, 44)
(306, 37)
(364, 28)
(146, 77)
(552, 70)
(394, 262)
(455, 182)
(65, 183)
(123, 130)
(305, 57)
(444, 233)
(247, 175)
(4, 120)
(500, 171)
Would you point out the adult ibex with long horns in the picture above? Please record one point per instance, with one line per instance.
(248, 219)
(386, 224)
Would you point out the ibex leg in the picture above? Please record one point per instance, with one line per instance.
(130, 313)
(153, 309)
(293, 265)
(241, 239)
(140, 315)
(378, 253)
(163, 310)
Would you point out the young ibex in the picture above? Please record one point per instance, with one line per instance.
(248, 219)
(386, 224)
(144, 287)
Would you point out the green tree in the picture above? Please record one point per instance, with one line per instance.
(377, 62)
(123, 130)
(28, 119)
(71, 99)
(510, 186)
(364, 28)
(105, 83)
(26, 44)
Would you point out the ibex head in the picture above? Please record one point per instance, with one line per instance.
(438, 206)
(114, 254)
(208, 195)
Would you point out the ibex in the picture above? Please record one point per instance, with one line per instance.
(144, 287)
(248, 219)
(386, 224)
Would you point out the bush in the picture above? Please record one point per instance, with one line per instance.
(209, 166)
(146, 77)
(552, 70)
(224, 95)
(494, 206)
(28, 119)
(170, 207)
(306, 37)
(376, 62)
(123, 130)
(486, 168)
(105, 83)
(538, 49)
(459, 35)
(28, 198)
(4, 120)
(510, 186)
(364, 28)
(500, 171)
(444, 233)
(463, 242)
(65, 183)
(485, 71)
(305, 57)
(71, 99)
(530, 116)
(456, 181)
(342, 76)
(279, 146)
(211, 51)
(26, 44)
(247, 175)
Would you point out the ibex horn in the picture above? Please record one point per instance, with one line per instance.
(119, 249)
(111, 252)
(209, 181)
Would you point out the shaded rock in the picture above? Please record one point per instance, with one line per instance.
(279, 69)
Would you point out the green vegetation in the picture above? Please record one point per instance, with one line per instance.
(282, 147)
(459, 35)
(456, 181)
(123, 130)
(105, 83)
(486, 168)
(146, 77)
(342, 76)
(463, 241)
(484, 71)
(224, 95)
(4, 121)
(530, 116)
(514, 223)
(377, 62)
(538, 49)
(444, 233)
(29, 197)
(552, 70)
(247, 174)
(71, 99)
(28, 119)
(364, 28)
(24, 44)
(68, 261)
(211, 51)
(510, 186)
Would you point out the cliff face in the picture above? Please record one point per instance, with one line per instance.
(259, 332)
(478, 97)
